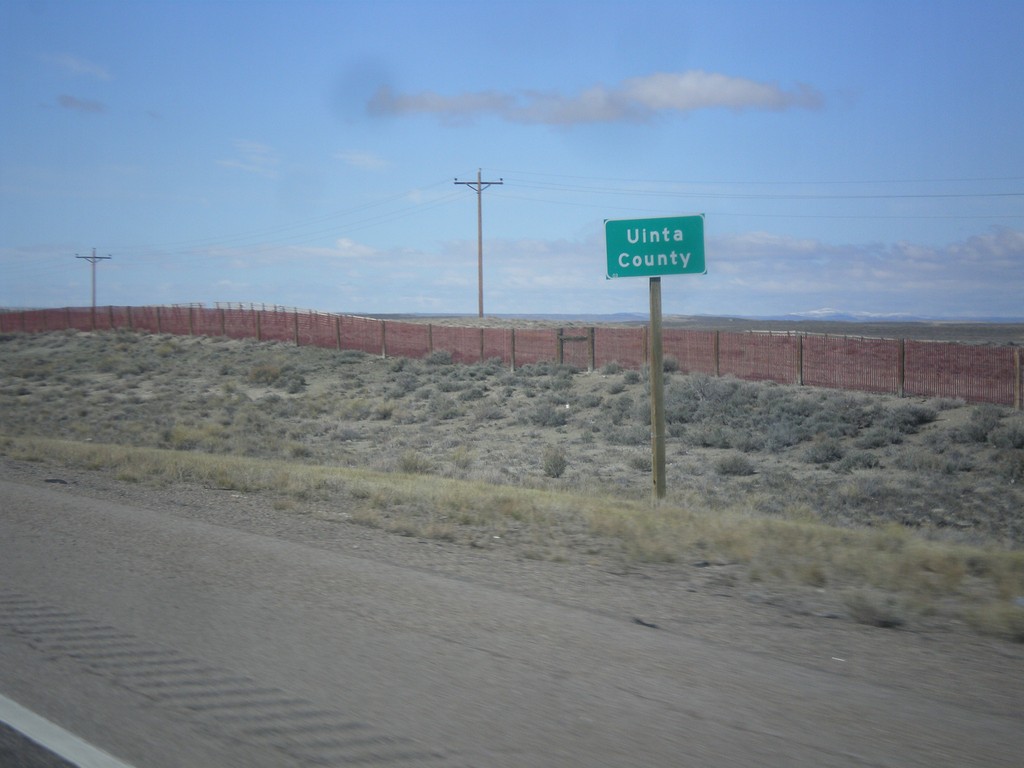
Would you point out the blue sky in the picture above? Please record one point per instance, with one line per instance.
(861, 156)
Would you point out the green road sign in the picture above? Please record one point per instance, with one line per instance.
(651, 247)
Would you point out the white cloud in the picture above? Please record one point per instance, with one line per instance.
(345, 248)
(636, 99)
(253, 157)
(367, 161)
(978, 276)
(76, 104)
(75, 65)
(685, 91)
(1002, 249)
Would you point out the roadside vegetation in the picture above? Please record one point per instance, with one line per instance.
(905, 512)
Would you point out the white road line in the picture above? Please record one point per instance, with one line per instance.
(54, 738)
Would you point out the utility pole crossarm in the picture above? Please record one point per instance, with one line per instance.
(479, 186)
(92, 260)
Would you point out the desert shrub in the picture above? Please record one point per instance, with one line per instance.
(619, 408)
(384, 410)
(747, 441)
(462, 457)
(879, 436)
(438, 357)
(349, 356)
(280, 377)
(627, 435)
(906, 419)
(858, 460)
(561, 379)
(837, 416)
(351, 409)
(1001, 619)
(548, 414)
(642, 412)
(824, 451)
(669, 364)
(631, 377)
(554, 461)
(412, 462)
(475, 392)
(488, 411)
(265, 373)
(611, 368)
(734, 464)
(404, 383)
(782, 434)
(865, 491)
(294, 382)
(1010, 466)
(452, 380)
(345, 434)
(1008, 435)
(712, 436)
(443, 407)
(642, 462)
(947, 463)
(982, 421)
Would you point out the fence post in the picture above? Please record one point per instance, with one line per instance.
(131, 323)
(800, 360)
(901, 367)
(512, 351)
(223, 323)
(295, 326)
(337, 331)
(590, 342)
(257, 316)
(481, 344)
(159, 327)
(191, 327)
(383, 338)
(1017, 380)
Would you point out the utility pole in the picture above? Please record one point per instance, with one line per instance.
(480, 186)
(92, 260)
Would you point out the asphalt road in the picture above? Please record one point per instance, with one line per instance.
(170, 642)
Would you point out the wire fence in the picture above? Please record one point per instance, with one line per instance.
(970, 372)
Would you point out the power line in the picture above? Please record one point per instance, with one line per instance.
(772, 182)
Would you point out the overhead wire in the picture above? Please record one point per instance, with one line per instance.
(688, 189)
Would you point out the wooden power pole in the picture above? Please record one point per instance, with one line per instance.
(480, 186)
(92, 260)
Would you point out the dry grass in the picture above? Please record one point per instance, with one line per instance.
(899, 509)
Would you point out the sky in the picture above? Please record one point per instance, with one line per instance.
(856, 156)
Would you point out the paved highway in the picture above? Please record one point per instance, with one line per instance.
(169, 642)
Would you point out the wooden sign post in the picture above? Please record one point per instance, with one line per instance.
(652, 248)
